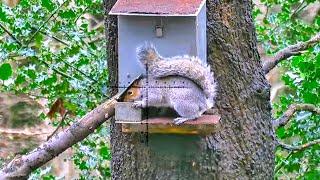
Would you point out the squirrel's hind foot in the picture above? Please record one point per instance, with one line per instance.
(181, 120)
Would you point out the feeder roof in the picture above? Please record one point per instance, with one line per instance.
(157, 7)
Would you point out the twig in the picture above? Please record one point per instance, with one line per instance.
(10, 34)
(56, 70)
(284, 119)
(289, 51)
(75, 21)
(298, 148)
(55, 38)
(59, 125)
(44, 23)
(291, 16)
(78, 70)
(267, 12)
(297, 10)
(283, 162)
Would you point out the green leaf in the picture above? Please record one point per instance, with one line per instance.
(31, 74)
(47, 4)
(20, 79)
(281, 132)
(105, 152)
(5, 71)
(312, 174)
(68, 14)
(3, 16)
(51, 80)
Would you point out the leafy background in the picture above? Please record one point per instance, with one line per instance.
(56, 49)
(301, 76)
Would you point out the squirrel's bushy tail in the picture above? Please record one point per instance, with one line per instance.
(185, 66)
(147, 54)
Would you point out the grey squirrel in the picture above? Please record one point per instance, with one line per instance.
(183, 83)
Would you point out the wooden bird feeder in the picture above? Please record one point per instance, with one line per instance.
(175, 27)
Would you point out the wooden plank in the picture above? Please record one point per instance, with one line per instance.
(206, 124)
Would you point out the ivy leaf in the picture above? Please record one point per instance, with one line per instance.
(5, 71)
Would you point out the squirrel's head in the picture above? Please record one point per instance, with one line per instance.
(133, 93)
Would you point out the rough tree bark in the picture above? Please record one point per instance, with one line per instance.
(244, 145)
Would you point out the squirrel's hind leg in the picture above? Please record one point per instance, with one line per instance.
(187, 112)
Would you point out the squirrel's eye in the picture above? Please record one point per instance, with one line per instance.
(130, 92)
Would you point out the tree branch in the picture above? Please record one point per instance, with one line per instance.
(10, 34)
(79, 71)
(45, 22)
(21, 167)
(59, 125)
(285, 118)
(56, 70)
(297, 10)
(298, 148)
(54, 37)
(277, 168)
(289, 51)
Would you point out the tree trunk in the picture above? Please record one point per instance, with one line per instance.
(243, 147)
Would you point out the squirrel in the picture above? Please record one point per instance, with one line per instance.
(183, 83)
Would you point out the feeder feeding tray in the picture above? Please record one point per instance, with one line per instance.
(131, 120)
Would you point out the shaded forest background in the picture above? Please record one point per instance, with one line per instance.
(53, 68)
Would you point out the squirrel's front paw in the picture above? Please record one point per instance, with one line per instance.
(138, 104)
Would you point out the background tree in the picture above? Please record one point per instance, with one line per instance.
(288, 32)
(243, 146)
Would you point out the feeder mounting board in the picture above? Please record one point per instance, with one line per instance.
(132, 121)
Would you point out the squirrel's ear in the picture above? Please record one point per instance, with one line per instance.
(135, 83)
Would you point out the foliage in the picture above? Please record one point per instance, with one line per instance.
(56, 49)
(276, 30)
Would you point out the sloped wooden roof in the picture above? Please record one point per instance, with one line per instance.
(157, 7)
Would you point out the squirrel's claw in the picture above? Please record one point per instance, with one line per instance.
(180, 120)
(138, 104)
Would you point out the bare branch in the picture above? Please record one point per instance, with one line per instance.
(54, 37)
(10, 34)
(285, 118)
(289, 51)
(277, 168)
(45, 22)
(298, 148)
(56, 70)
(21, 167)
(298, 9)
(59, 125)
(79, 71)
